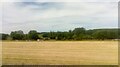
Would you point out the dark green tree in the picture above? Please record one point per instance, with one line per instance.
(33, 35)
(78, 31)
(17, 35)
(3, 36)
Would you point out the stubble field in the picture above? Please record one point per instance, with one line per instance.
(60, 52)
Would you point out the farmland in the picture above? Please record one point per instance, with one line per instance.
(60, 52)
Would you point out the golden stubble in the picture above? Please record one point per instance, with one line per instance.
(61, 52)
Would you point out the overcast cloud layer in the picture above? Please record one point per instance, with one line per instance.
(54, 16)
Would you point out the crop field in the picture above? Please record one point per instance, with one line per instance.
(60, 52)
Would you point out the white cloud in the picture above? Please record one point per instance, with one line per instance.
(61, 16)
(60, 0)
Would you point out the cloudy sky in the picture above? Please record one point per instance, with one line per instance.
(54, 16)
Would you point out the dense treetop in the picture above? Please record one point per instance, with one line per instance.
(76, 34)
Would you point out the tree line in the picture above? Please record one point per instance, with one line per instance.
(76, 34)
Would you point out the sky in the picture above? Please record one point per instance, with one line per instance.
(45, 16)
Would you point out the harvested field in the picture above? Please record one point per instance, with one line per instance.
(60, 52)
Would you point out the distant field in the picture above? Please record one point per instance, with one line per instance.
(61, 52)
